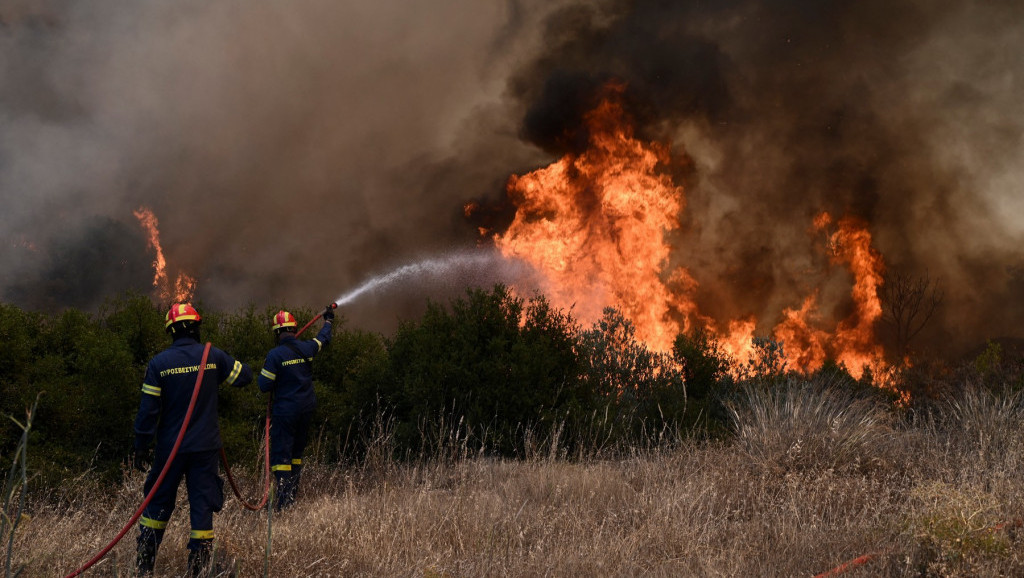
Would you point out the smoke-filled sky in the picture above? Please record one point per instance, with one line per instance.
(291, 150)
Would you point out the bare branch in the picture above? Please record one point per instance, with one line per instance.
(909, 303)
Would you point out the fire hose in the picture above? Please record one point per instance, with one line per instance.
(266, 468)
(163, 472)
(864, 559)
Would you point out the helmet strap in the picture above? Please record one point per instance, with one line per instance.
(185, 329)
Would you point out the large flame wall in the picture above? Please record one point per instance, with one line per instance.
(597, 224)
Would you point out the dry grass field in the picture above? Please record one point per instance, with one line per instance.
(812, 478)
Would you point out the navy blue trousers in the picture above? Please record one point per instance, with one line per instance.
(288, 437)
(205, 497)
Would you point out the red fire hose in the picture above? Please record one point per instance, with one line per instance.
(266, 468)
(849, 565)
(313, 320)
(163, 472)
(861, 560)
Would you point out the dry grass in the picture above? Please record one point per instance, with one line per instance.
(812, 479)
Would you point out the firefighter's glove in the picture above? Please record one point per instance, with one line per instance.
(329, 313)
(142, 459)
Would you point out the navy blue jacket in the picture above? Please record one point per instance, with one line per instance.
(167, 391)
(289, 373)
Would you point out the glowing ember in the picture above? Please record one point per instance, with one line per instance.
(184, 285)
(24, 243)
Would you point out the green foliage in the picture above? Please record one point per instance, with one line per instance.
(349, 375)
(91, 384)
(767, 363)
(138, 323)
(499, 364)
(988, 361)
(246, 336)
(705, 366)
(645, 388)
(17, 334)
(998, 369)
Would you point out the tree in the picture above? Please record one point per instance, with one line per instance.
(908, 303)
(490, 362)
(645, 388)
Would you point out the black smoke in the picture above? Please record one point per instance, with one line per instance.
(90, 262)
(900, 113)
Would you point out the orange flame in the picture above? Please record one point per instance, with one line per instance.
(855, 337)
(595, 226)
(184, 285)
(805, 345)
(149, 222)
(855, 344)
(184, 288)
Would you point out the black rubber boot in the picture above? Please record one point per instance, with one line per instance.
(147, 545)
(296, 477)
(199, 560)
(285, 490)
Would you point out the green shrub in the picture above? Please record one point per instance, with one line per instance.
(497, 363)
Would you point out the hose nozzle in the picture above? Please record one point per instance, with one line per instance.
(327, 310)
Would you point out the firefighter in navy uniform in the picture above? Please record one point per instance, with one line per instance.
(288, 373)
(166, 394)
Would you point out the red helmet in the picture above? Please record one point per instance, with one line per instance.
(284, 319)
(181, 312)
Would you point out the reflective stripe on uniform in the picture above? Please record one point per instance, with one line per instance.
(150, 389)
(318, 344)
(201, 535)
(234, 373)
(151, 523)
(268, 375)
(296, 461)
(281, 468)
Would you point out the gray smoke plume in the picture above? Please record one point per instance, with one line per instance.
(292, 150)
(288, 150)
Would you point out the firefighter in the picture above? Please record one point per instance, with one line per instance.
(166, 395)
(288, 374)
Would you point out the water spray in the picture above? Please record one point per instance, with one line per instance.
(469, 267)
(436, 266)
